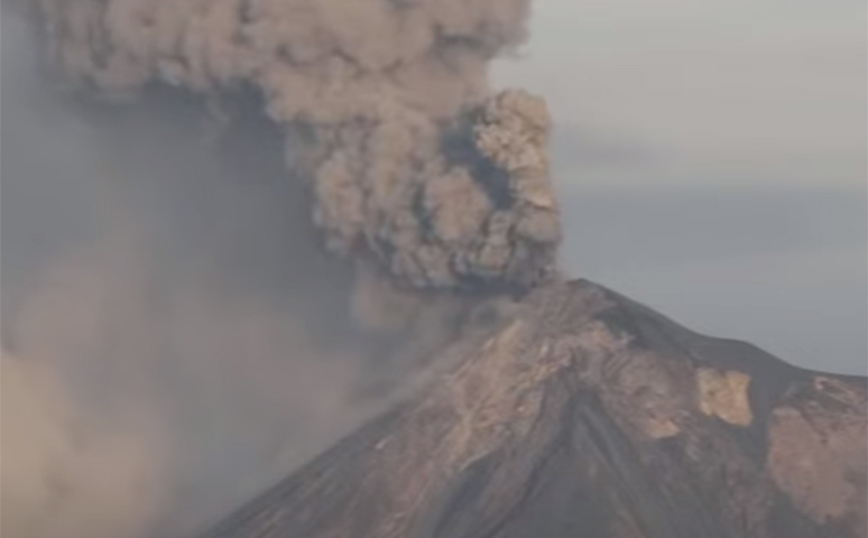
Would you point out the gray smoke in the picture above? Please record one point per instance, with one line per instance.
(385, 109)
(172, 340)
(175, 338)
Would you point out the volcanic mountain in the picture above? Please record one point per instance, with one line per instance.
(579, 412)
(566, 411)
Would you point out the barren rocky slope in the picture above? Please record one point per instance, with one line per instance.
(582, 413)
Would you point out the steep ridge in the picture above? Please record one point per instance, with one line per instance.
(583, 413)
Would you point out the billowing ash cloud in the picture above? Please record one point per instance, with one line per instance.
(385, 108)
(174, 337)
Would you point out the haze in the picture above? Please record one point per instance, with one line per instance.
(711, 162)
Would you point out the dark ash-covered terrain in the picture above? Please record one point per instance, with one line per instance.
(582, 413)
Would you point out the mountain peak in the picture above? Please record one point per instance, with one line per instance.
(584, 413)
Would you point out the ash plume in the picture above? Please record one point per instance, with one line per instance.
(240, 235)
(370, 95)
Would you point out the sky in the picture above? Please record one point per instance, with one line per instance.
(711, 161)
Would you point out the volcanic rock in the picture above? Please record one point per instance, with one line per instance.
(583, 413)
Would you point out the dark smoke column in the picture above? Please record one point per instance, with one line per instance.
(413, 165)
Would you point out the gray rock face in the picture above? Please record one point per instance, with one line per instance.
(582, 413)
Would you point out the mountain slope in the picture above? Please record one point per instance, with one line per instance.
(582, 413)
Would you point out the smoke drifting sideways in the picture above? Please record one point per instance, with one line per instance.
(177, 331)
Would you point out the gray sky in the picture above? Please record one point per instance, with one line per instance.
(712, 162)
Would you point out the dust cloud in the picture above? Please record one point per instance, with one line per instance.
(61, 471)
(385, 109)
(233, 231)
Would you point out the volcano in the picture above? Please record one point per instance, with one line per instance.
(301, 197)
(581, 413)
